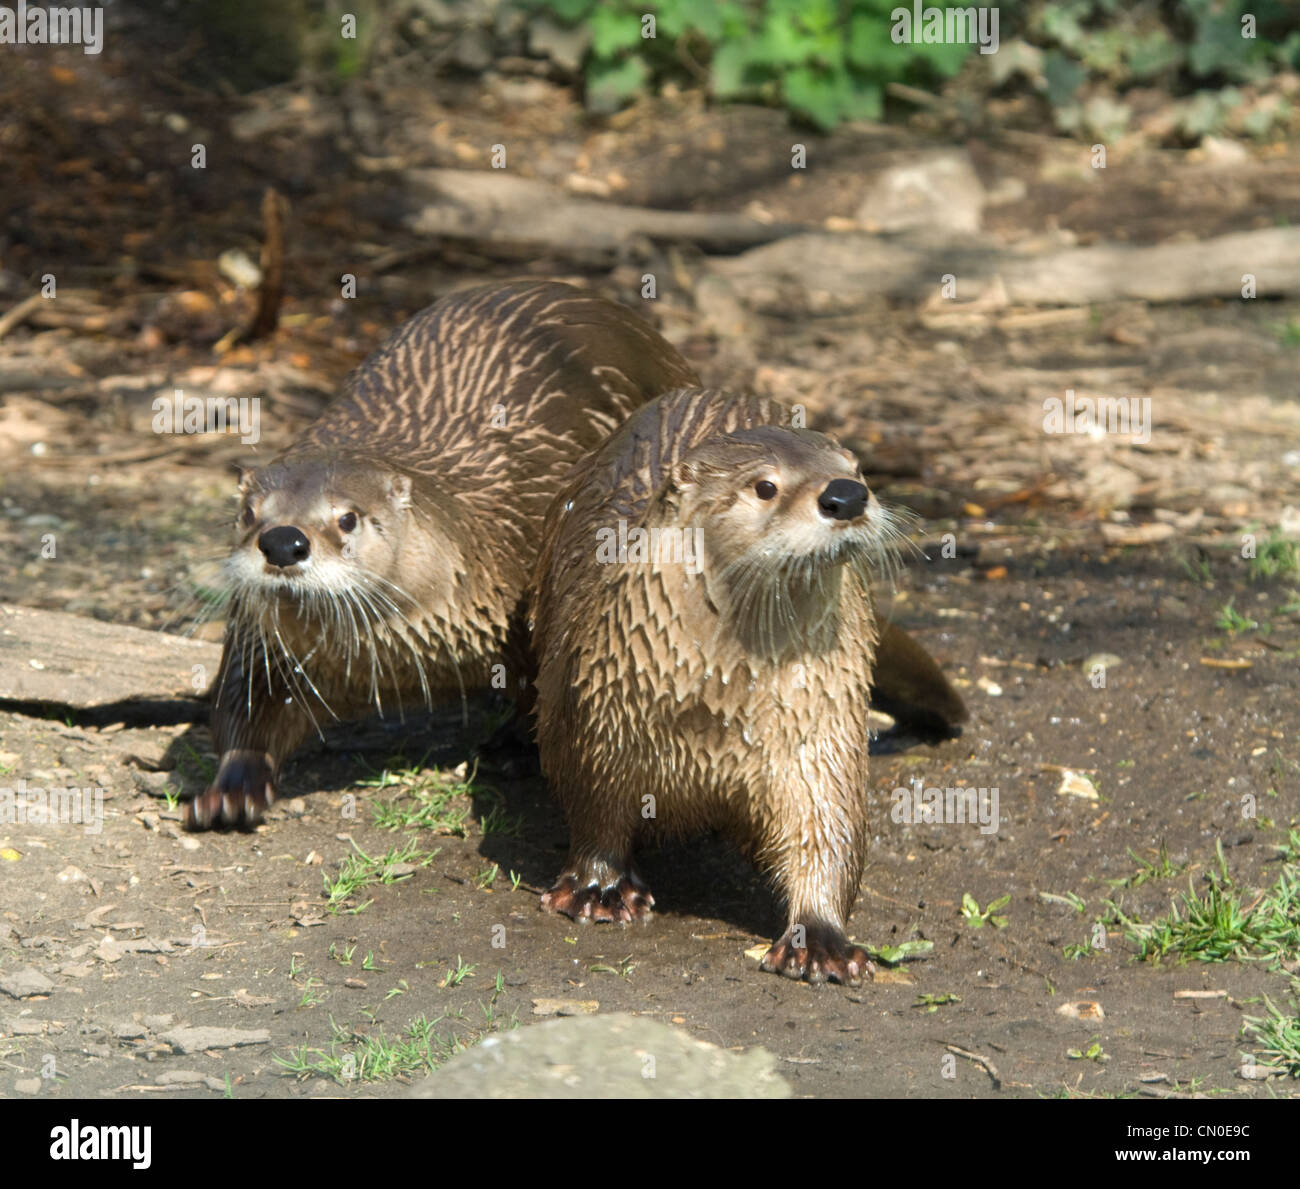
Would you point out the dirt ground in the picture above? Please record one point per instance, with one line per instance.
(1066, 549)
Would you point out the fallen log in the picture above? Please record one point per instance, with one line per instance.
(497, 207)
(823, 272)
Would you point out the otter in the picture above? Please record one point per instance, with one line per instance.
(704, 634)
(381, 558)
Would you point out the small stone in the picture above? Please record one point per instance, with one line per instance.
(1106, 660)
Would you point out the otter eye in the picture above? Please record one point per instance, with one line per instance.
(348, 521)
(247, 516)
(765, 490)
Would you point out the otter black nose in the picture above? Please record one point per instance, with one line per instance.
(284, 546)
(843, 499)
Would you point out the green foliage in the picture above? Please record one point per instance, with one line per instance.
(1207, 39)
(1278, 1034)
(1213, 46)
(1227, 922)
(977, 918)
(829, 61)
(825, 60)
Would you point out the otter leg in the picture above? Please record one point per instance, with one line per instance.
(818, 865)
(598, 882)
(254, 728)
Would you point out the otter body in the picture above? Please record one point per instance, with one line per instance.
(382, 558)
(714, 672)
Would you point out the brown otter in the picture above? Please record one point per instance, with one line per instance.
(704, 632)
(382, 557)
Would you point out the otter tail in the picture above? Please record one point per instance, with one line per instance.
(908, 685)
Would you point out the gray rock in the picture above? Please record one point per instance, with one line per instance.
(197, 1040)
(609, 1056)
(20, 984)
(934, 193)
(566, 46)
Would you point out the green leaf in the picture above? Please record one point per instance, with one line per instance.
(728, 72)
(1064, 76)
(1219, 47)
(612, 31)
(812, 94)
(609, 86)
(892, 955)
(568, 11)
(869, 46)
(1061, 23)
(945, 57)
(1152, 53)
(783, 42)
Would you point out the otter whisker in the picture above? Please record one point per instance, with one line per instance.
(375, 616)
(296, 675)
(376, 589)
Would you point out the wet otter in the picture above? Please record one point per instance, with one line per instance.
(704, 633)
(382, 557)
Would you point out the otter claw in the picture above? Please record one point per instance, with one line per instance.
(625, 900)
(237, 798)
(826, 955)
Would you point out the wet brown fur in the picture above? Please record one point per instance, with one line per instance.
(670, 703)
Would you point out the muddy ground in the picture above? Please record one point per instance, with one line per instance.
(1064, 549)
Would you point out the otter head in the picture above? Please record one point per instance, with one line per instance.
(790, 499)
(777, 514)
(316, 529)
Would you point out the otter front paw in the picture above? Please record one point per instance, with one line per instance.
(825, 954)
(625, 899)
(238, 797)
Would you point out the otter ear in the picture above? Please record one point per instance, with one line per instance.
(398, 490)
(679, 490)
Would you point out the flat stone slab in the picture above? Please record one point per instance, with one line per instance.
(50, 656)
(610, 1056)
(198, 1040)
(21, 984)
